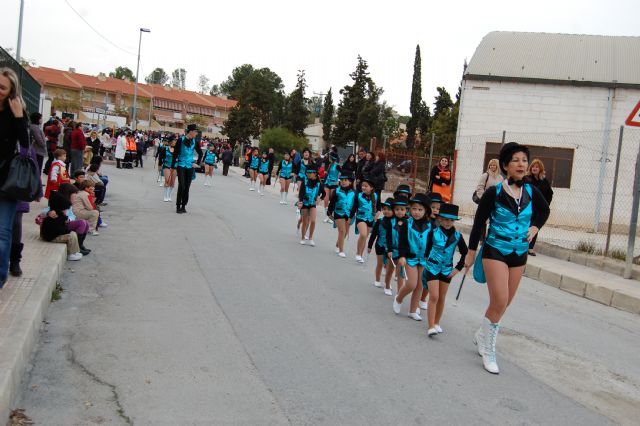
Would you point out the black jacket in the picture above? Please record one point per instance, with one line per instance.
(349, 168)
(227, 156)
(12, 130)
(375, 172)
(543, 185)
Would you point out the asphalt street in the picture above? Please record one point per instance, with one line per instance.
(220, 317)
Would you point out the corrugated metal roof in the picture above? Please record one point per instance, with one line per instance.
(568, 58)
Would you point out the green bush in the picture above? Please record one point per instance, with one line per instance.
(282, 140)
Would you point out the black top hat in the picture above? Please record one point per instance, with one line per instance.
(333, 156)
(311, 168)
(388, 202)
(369, 181)
(403, 189)
(400, 201)
(507, 151)
(192, 127)
(435, 197)
(449, 211)
(422, 199)
(343, 177)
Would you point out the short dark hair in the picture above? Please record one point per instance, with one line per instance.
(35, 117)
(78, 173)
(94, 167)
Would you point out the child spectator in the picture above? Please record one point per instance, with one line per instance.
(99, 186)
(83, 207)
(54, 226)
(57, 173)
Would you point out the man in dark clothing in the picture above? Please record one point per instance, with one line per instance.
(139, 151)
(361, 162)
(271, 156)
(183, 163)
(227, 158)
(51, 132)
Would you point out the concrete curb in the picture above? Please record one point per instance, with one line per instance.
(21, 337)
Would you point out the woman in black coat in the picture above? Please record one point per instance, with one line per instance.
(375, 171)
(350, 166)
(537, 178)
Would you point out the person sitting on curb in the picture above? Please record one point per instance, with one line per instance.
(83, 209)
(54, 227)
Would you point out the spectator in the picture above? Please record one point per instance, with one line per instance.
(100, 187)
(227, 158)
(58, 172)
(87, 157)
(78, 177)
(440, 179)
(140, 150)
(54, 227)
(105, 142)
(78, 143)
(490, 178)
(94, 142)
(83, 208)
(537, 177)
(121, 149)
(38, 140)
(52, 131)
(375, 172)
(350, 166)
(271, 155)
(362, 160)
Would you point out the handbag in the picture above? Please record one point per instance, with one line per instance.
(23, 180)
(474, 196)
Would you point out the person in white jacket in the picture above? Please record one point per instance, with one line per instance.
(121, 149)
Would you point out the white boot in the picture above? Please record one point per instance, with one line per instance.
(480, 335)
(166, 195)
(285, 198)
(170, 191)
(489, 355)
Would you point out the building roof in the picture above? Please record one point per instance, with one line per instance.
(591, 60)
(74, 80)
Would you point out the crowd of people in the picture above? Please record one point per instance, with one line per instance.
(413, 235)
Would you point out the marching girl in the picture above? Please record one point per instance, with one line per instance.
(379, 236)
(364, 210)
(254, 163)
(210, 160)
(516, 212)
(310, 190)
(331, 181)
(285, 173)
(340, 208)
(441, 246)
(263, 169)
(392, 230)
(169, 174)
(302, 166)
(160, 161)
(436, 200)
(412, 249)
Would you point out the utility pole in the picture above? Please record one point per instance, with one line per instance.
(135, 89)
(19, 46)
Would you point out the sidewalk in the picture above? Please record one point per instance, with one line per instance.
(591, 277)
(23, 305)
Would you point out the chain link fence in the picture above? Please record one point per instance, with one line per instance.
(30, 87)
(592, 176)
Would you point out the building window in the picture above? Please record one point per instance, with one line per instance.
(558, 162)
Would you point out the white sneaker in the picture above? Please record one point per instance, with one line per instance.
(74, 256)
(432, 332)
(165, 199)
(377, 284)
(104, 224)
(261, 193)
(388, 292)
(251, 188)
(423, 305)
(337, 250)
(342, 254)
(330, 222)
(312, 243)
(438, 328)
(396, 306)
(359, 259)
(326, 220)
(161, 183)
(303, 242)
(415, 316)
(94, 233)
(285, 203)
(281, 202)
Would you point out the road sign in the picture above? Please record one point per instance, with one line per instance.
(634, 117)
(100, 111)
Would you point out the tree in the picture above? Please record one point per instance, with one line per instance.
(296, 112)
(215, 90)
(233, 84)
(179, 78)
(282, 140)
(242, 124)
(327, 116)
(123, 73)
(158, 76)
(445, 121)
(65, 101)
(314, 105)
(358, 111)
(203, 84)
(443, 103)
(416, 100)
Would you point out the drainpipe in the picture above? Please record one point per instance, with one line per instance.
(604, 153)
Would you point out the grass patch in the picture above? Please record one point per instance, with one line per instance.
(586, 247)
(56, 294)
(618, 254)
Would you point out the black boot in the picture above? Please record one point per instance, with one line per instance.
(14, 259)
(85, 251)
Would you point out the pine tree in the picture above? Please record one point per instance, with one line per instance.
(327, 116)
(297, 114)
(415, 107)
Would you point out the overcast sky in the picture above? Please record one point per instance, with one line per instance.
(321, 37)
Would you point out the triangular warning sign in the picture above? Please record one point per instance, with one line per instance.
(634, 117)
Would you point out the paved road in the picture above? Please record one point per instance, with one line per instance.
(219, 316)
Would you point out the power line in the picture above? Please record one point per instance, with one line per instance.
(96, 31)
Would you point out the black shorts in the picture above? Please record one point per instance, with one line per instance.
(336, 217)
(381, 251)
(255, 170)
(439, 277)
(307, 207)
(512, 260)
(368, 222)
(332, 186)
(285, 178)
(264, 173)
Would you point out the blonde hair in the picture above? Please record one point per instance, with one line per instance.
(537, 162)
(15, 84)
(495, 162)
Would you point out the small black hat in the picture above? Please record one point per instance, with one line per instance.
(435, 197)
(170, 137)
(311, 168)
(192, 127)
(449, 211)
(507, 151)
(369, 181)
(333, 156)
(422, 199)
(403, 190)
(388, 202)
(400, 201)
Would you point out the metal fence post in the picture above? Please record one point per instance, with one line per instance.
(633, 225)
(613, 194)
(504, 136)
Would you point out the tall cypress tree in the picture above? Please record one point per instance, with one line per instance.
(415, 107)
(327, 116)
(297, 114)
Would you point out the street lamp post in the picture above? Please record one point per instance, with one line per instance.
(19, 46)
(135, 89)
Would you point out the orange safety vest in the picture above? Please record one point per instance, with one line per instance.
(131, 144)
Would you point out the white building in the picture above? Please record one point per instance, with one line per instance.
(563, 95)
(314, 134)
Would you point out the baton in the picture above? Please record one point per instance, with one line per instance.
(460, 288)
